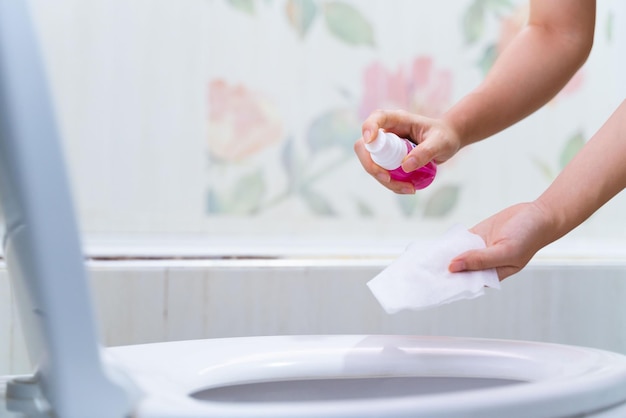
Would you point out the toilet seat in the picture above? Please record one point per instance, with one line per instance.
(538, 379)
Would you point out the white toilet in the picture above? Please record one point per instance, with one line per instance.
(273, 377)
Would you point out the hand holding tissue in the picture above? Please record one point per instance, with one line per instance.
(419, 279)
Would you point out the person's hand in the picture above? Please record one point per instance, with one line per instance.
(436, 139)
(512, 236)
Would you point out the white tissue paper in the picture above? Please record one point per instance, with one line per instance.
(419, 279)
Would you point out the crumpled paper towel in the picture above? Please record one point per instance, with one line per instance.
(419, 279)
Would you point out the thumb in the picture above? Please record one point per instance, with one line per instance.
(419, 156)
(484, 259)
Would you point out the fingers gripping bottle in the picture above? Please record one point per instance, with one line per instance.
(388, 150)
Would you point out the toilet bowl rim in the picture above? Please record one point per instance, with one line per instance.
(608, 371)
(600, 389)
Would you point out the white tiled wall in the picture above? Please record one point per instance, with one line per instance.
(141, 303)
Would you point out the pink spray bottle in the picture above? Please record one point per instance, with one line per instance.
(388, 150)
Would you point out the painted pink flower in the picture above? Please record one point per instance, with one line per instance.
(241, 122)
(421, 88)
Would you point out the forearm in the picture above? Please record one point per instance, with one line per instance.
(595, 175)
(535, 66)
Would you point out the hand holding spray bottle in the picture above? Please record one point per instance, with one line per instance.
(388, 151)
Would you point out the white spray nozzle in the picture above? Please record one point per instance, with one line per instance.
(387, 150)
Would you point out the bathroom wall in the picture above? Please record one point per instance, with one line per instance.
(236, 119)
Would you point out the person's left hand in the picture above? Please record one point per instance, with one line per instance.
(436, 138)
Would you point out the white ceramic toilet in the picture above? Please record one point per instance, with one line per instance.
(296, 376)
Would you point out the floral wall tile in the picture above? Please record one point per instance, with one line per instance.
(237, 118)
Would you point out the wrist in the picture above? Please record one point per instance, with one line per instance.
(459, 120)
(551, 224)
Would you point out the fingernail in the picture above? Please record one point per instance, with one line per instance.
(409, 164)
(407, 190)
(457, 266)
(367, 135)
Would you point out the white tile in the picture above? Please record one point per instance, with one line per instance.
(129, 305)
(284, 301)
(572, 306)
(184, 304)
(577, 305)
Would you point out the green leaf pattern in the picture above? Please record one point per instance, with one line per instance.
(348, 24)
(475, 28)
(609, 26)
(301, 14)
(247, 194)
(571, 148)
(245, 6)
(408, 204)
(335, 128)
(317, 203)
(345, 22)
(488, 58)
(244, 198)
(474, 22)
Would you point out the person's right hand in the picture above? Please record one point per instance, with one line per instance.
(436, 140)
(513, 236)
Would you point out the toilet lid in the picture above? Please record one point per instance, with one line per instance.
(420, 376)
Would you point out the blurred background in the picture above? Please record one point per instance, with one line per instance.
(209, 146)
(236, 118)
